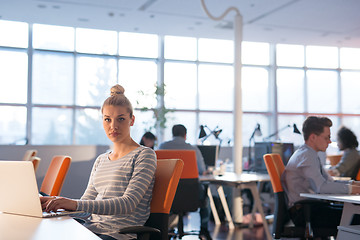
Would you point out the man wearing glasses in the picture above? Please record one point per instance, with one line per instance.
(304, 173)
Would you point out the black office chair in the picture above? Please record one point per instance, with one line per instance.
(281, 227)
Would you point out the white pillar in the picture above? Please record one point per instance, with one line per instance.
(238, 146)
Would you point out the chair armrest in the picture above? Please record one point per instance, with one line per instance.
(139, 230)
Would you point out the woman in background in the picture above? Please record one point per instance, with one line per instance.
(350, 161)
(148, 140)
(121, 181)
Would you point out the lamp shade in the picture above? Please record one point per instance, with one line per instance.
(256, 132)
(202, 132)
(296, 130)
(217, 133)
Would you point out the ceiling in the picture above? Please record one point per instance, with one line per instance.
(310, 22)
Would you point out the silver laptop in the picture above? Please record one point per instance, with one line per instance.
(19, 192)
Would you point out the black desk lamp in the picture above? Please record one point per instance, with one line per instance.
(256, 132)
(295, 130)
(203, 136)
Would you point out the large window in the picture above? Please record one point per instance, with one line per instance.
(53, 78)
(58, 100)
(13, 76)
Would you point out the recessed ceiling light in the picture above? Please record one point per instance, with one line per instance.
(111, 14)
(56, 7)
(41, 6)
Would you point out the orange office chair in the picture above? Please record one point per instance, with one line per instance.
(29, 153)
(167, 175)
(334, 159)
(187, 197)
(55, 175)
(358, 176)
(35, 161)
(281, 227)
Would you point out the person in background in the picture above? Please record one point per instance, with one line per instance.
(179, 132)
(148, 140)
(304, 173)
(350, 161)
(120, 186)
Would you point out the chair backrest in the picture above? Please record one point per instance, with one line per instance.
(167, 176)
(188, 188)
(334, 159)
(29, 153)
(358, 176)
(35, 161)
(55, 175)
(275, 168)
(190, 169)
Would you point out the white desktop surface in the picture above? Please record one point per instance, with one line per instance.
(351, 207)
(234, 178)
(16, 227)
(334, 197)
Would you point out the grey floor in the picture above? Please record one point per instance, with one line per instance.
(192, 222)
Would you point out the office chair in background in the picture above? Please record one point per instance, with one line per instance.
(187, 197)
(29, 153)
(55, 175)
(281, 227)
(35, 161)
(167, 175)
(334, 159)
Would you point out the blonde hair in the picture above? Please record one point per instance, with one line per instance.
(117, 98)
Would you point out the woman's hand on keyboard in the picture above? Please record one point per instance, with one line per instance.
(49, 204)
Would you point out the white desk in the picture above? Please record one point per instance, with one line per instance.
(16, 227)
(240, 181)
(351, 205)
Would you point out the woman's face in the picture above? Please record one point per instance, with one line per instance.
(117, 123)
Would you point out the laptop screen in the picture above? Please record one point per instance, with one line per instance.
(18, 188)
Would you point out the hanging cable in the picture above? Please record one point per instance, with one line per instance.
(222, 16)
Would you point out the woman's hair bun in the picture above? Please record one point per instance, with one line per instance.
(116, 90)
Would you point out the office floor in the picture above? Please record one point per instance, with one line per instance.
(192, 222)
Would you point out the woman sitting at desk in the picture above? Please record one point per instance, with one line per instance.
(121, 181)
(350, 161)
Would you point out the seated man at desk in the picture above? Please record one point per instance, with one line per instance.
(179, 132)
(304, 173)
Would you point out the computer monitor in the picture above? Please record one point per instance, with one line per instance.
(210, 154)
(284, 149)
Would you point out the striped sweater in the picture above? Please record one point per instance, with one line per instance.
(119, 192)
